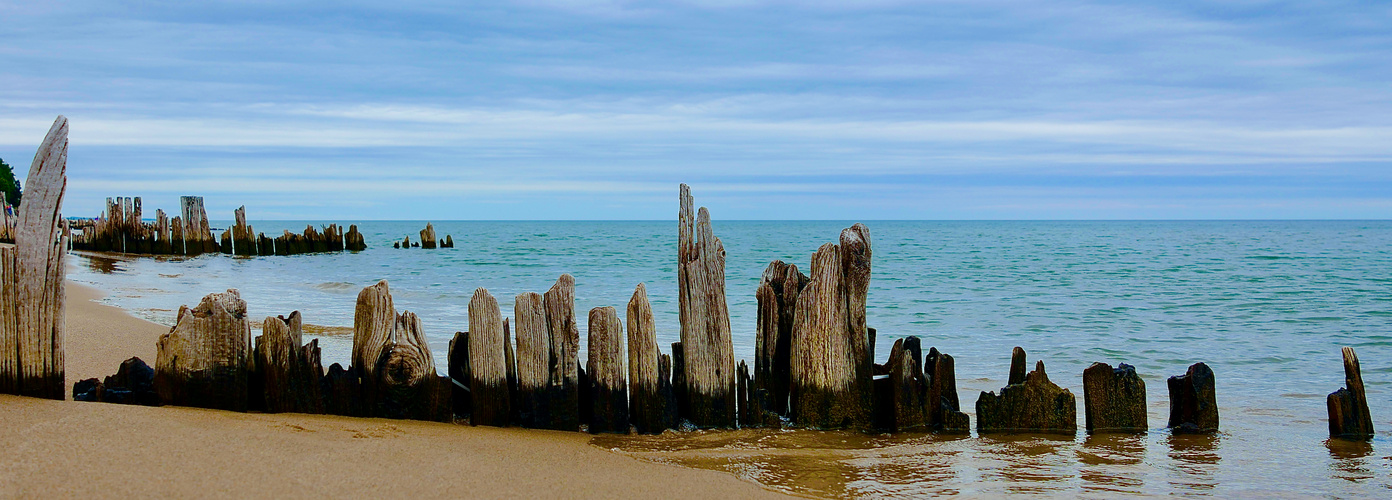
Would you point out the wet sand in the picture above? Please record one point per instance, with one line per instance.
(66, 449)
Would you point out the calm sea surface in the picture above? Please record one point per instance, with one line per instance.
(1266, 304)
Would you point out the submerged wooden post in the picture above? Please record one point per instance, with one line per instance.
(31, 324)
(1114, 399)
(487, 361)
(647, 406)
(777, 302)
(353, 241)
(1193, 402)
(705, 319)
(1348, 407)
(202, 361)
(832, 369)
(427, 236)
(944, 409)
(533, 361)
(608, 389)
(564, 386)
(1033, 405)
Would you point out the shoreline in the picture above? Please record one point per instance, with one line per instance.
(97, 450)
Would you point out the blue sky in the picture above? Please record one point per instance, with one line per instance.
(578, 109)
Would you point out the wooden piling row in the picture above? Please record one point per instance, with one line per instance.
(427, 240)
(121, 229)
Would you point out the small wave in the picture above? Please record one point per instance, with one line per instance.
(336, 286)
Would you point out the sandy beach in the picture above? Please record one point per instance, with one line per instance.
(66, 449)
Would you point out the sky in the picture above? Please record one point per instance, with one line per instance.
(575, 109)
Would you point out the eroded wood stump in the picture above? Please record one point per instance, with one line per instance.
(564, 386)
(533, 361)
(648, 405)
(203, 360)
(290, 372)
(1114, 399)
(832, 368)
(487, 361)
(1348, 407)
(1033, 405)
(427, 236)
(944, 409)
(607, 384)
(353, 240)
(909, 387)
(777, 302)
(32, 301)
(1193, 403)
(404, 384)
(705, 320)
(459, 375)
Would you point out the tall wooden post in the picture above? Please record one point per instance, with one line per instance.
(705, 319)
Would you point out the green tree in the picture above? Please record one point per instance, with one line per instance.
(8, 184)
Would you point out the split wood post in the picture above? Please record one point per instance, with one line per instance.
(510, 360)
(264, 245)
(487, 361)
(1193, 401)
(1348, 407)
(533, 360)
(427, 236)
(1033, 405)
(31, 326)
(290, 372)
(648, 405)
(459, 375)
(449, 241)
(1114, 399)
(777, 302)
(605, 367)
(404, 383)
(564, 386)
(944, 409)
(197, 233)
(353, 241)
(705, 319)
(203, 361)
(832, 368)
(374, 320)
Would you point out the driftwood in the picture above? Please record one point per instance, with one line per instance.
(648, 405)
(487, 361)
(31, 303)
(1193, 402)
(1032, 405)
(605, 367)
(1114, 400)
(203, 361)
(1348, 407)
(533, 361)
(564, 386)
(705, 320)
(777, 302)
(832, 369)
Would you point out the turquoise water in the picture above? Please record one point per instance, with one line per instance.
(1267, 304)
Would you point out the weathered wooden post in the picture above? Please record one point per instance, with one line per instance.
(1193, 402)
(404, 384)
(198, 235)
(944, 410)
(427, 236)
(487, 361)
(449, 242)
(533, 360)
(564, 386)
(705, 319)
(243, 241)
(1114, 399)
(777, 301)
(1032, 405)
(31, 303)
(648, 406)
(202, 361)
(459, 375)
(832, 369)
(605, 367)
(291, 372)
(353, 241)
(1348, 407)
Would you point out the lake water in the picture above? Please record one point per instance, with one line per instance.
(1266, 304)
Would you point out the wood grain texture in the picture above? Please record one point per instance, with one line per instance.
(647, 405)
(487, 361)
(533, 360)
(605, 369)
(705, 319)
(374, 320)
(564, 385)
(38, 273)
(204, 359)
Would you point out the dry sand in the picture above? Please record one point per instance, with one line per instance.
(66, 449)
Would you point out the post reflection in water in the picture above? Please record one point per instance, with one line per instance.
(1195, 457)
(1027, 463)
(1109, 460)
(1349, 459)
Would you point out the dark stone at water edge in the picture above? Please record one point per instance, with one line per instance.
(87, 390)
(1348, 407)
(1193, 404)
(1034, 405)
(1114, 399)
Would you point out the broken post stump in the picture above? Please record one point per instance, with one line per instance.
(404, 384)
(1348, 407)
(1114, 399)
(203, 360)
(290, 372)
(908, 387)
(705, 319)
(32, 275)
(353, 241)
(777, 302)
(564, 386)
(427, 236)
(832, 369)
(944, 410)
(459, 375)
(608, 393)
(1033, 405)
(648, 405)
(1193, 403)
(533, 361)
(487, 361)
